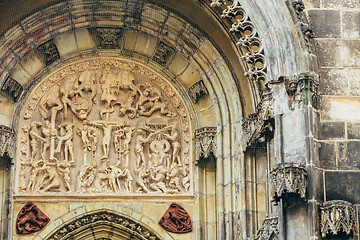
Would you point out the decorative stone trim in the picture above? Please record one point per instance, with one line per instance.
(163, 53)
(108, 37)
(296, 8)
(197, 90)
(249, 41)
(104, 217)
(269, 229)
(288, 178)
(259, 126)
(12, 89)
(7, 141)
(338, 216)
(50, 51)
(205, 142)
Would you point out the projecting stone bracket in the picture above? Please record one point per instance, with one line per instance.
(259, 126)
(205, 142)
(338, 216)
(269, 229)
(288, 178)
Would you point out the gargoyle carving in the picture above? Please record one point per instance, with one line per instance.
(176, 219)
(30, 219)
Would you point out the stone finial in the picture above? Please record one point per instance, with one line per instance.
(30, 219)
(197, 90)
(176, 219)
(7, 141)
(288, 178)
(269, 229)
(205, 142)
(338, 216)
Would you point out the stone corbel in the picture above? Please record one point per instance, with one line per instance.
(259, 126)
(269, 229)
(7, 142)
(288, 178)
(338, 216)
(205, 142)
(197, 90)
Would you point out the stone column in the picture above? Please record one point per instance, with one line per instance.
(295, 104)
(7, 147)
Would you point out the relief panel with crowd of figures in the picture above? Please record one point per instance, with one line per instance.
(104, 126)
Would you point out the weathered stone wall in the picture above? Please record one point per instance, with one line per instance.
(336, 26)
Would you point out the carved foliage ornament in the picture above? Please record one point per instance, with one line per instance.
(338, 216)
(30, 219)
(176, 219)
(7, 141)
(197, 90)
(269, 229)
(103, 126)
(137, 231)
(288, 178)
(249, 41)
(12, 89)
(205, 142)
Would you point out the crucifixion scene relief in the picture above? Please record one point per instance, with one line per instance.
(104, 126)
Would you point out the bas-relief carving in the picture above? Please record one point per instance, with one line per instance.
(30, 219)
(176, 219)
(104, 126)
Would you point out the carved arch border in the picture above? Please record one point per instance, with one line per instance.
(104, 221)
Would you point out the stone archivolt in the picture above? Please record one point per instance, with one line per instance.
(338, 216)
(104, 126)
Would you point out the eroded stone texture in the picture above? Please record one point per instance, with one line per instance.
(132, 127)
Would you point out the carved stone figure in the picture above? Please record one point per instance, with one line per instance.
(79, 93)
(158, 180)
(66, 136)
(186, 179)
(119, 106)
(50, 180)
(173, 177)
(86, 177)
(173, 136)
(139, 147)
(34, 139)
(30, 219)
(36, 168)
(64, 168)
(141, 178)
(176, 219)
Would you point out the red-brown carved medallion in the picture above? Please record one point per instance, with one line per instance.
(30, 219)
(176, 219)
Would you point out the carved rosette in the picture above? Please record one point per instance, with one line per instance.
(205, 142)
(7, 141)
(269, 229)
(117, 221)
(176, 219)
(104, 126)
(288, 178)
(30, 219)
(338, 216)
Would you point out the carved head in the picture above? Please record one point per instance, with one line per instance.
(79, 93)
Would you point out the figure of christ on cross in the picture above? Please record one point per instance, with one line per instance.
(107, 129)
